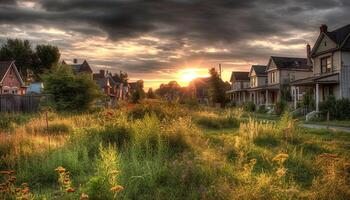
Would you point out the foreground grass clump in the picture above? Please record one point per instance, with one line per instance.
(168, 152)
(227, 119)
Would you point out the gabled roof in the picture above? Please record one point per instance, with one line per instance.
(260, 70)
(290, 63)
(79, 68)
(239, 76)
(4, 68)
(340, 36)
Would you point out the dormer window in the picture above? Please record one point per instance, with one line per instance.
(325, 43)
(326, 65)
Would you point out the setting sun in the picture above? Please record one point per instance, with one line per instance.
(185, 76)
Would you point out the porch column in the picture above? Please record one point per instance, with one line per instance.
(317, 97)
(267, 98)
(295, 97)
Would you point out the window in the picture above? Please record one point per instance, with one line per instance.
(326, 65)
(253, 82)
(273, 77)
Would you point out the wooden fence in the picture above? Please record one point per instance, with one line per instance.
(20, 103)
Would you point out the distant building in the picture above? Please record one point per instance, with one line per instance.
(11, 81)
(239, 85)
(35, 88)
(79, 68)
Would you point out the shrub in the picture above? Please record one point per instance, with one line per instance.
(337, 109)
(262, 109)
(280, 107)
(70, 92)
(217, 122)
(249, 106)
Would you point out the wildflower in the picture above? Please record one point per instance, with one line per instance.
(280, 157)
(17, 190)
(84, 196)
(60, 169)
(7, 172)
(70, 190)
(117, 188)
(12, 179)
(114, 172)
(328, 155)
(281, 171)
(25, 190)
(24, 184)
(253, 161)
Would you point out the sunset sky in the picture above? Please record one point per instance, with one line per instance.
(163, 40)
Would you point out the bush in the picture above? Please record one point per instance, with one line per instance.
(280, 106)
(262, 109)
(141, 110)
(217, 122)
(70, 92)
(249, 106)
(337, 109)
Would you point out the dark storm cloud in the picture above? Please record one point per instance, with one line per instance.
(184, 24)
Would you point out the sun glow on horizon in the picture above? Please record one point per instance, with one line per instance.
(185, 76)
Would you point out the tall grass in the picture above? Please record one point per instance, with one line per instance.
(164, 153)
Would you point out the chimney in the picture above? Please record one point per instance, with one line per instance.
(75, 61)
(102, 72)
(308, 54)
(323, 28)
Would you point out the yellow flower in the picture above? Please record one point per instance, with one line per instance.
(84, 196)
(280, 157)
(117, 188)
(281, 171)
(60, 169)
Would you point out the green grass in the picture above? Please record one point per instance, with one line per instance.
(168, 152)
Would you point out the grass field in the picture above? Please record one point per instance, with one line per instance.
(160, 151)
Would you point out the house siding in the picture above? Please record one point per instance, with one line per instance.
(345, 75)
(329, 45)
(11, 80)
(288, 76)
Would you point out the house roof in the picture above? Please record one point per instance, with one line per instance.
(4, 67)
(339, 35)
(78, 68)
(291, 63)
(260, 70)
(239, 76)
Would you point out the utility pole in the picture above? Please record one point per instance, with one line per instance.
(220, 70)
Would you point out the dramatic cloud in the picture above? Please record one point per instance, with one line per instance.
(150, 38)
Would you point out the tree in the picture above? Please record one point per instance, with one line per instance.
(20, 51)
(69, 91)
(48, 56)
(217, 88)
(137, 93)
(150, 94)
(122, 77)
(171, 91)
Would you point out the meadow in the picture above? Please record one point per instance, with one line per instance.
(156, 150)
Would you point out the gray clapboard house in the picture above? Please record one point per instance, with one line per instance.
(331, 65)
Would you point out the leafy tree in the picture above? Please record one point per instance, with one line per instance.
(150, 94)
(217, 88)
(69, 91)
(122, 77)
(21, 51)
(48, 56)
(137, 93)
(171, 91)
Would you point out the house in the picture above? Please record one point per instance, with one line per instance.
(239, 84)
(199, 88)
(79, 68)
(108, 85)
(331, 65)
(257, 83)
(281, 71)
(11, 81)
(35, 88)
